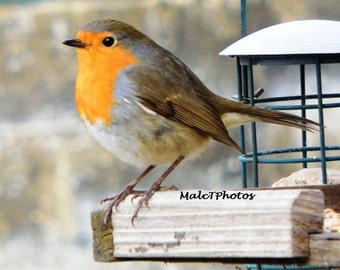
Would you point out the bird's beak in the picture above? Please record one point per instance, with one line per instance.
(75, 43)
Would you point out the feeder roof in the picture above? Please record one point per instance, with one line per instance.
(292, 38)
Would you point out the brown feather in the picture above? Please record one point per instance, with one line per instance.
(225, 106)
(188, 101)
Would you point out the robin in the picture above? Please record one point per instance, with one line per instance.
(148, 108)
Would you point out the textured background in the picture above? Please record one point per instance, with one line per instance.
(52, 173)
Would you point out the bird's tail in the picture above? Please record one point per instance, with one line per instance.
(235, 114)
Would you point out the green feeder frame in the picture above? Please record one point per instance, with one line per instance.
(301, 43)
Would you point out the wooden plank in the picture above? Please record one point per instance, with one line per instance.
(325, 249)
(330, 192)
(244, 225)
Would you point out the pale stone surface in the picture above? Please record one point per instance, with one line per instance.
(308, 177)
(331, 221)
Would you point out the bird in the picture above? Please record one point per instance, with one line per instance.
(144, 105)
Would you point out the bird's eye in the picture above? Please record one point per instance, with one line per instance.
(108, 41)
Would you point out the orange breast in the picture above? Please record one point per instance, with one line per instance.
(95, 83)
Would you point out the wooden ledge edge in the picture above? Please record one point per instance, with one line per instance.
(324, 251)
(103, 247)
(102, 235)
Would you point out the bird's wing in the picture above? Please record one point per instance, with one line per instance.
(172, 100)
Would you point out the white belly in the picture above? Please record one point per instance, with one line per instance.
(149, 140)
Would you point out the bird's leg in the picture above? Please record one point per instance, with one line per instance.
(161, 188)
(129, 189)
(155, 187)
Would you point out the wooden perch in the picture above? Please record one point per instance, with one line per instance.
(229, 226)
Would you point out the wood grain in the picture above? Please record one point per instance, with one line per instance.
(275, 224)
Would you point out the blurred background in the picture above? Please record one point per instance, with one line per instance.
(53, 174)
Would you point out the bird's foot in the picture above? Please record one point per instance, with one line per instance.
(162, 188)
(146, 196)
(113, 202)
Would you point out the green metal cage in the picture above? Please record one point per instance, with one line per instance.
(284, 45)
(316, 45)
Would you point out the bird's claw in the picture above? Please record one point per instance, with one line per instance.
(144, 200)
(114, 202)
(146, 196)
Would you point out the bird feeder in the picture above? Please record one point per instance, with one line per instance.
(306, 44)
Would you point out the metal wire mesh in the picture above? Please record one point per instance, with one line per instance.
(319, 101)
